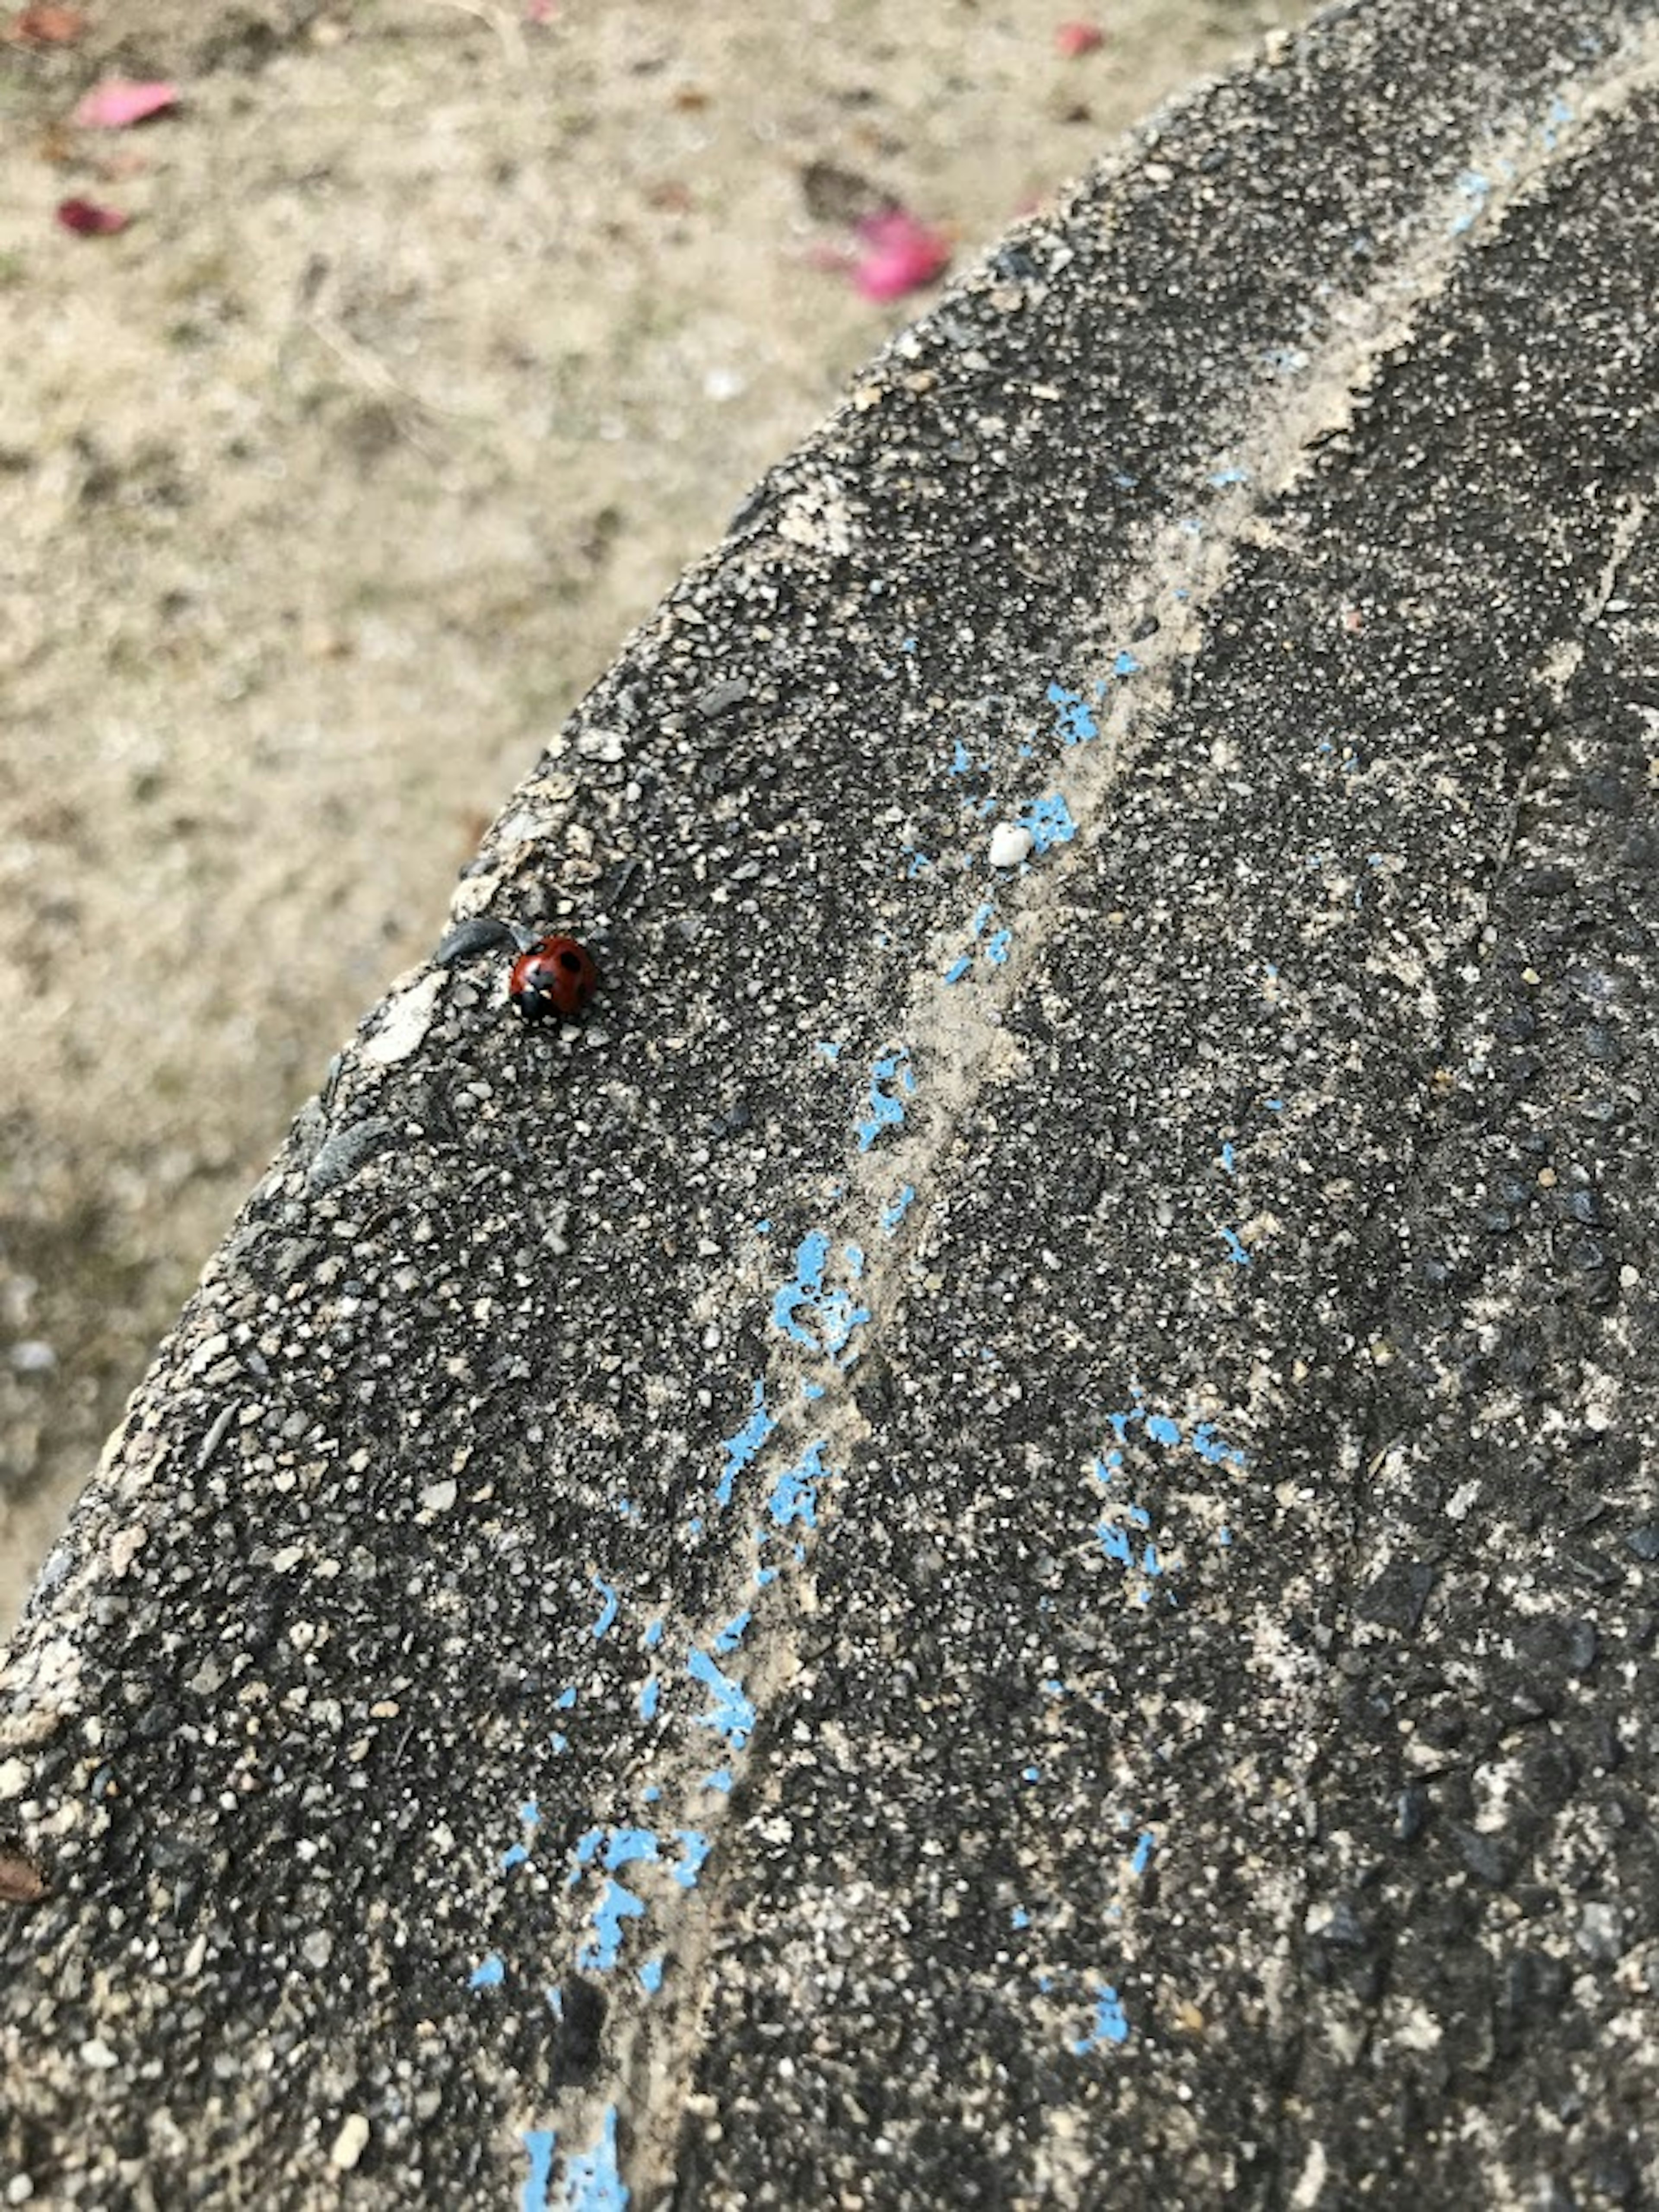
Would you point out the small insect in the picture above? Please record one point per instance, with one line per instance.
(555, 975)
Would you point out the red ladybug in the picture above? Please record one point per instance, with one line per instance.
(555, 975)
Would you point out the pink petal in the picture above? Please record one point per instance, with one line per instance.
(540, 11)
(1075, 39)
(87, 220)
(113, 104)
(896, 254)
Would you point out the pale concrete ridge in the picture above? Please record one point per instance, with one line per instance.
(993, 1544)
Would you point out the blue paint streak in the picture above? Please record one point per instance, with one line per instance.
(651, 1977)
(1126, 664)
(961, 760)
(1163, 1431)
(1020, 1917)
(488, 1973)
(1235, 1250)
(740, 1448)
(564, 1701)
(653, 1634)
(731, 1714)
(1143, 1854)
(958, 969)
(996, 946)
(650, 1698)
(721, 1779)
(514, 1854)
(608, 1611)
(539, 2142)
(828, 1049)
(1227, 1157)
(732, 1634)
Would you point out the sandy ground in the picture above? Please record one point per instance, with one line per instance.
(441, 338)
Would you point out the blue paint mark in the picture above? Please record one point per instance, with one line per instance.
(539, 2142)
(961, 760)
(1020, 1917)
(1224, 1538)
(896, 1207)
(1049, 821)
(488, 1974)
(1054, 1689)
(1222, 477)
(616, 1904)
(693, 1854)
(1110, 2024)
(983, 915)
(559, 1742)
(1114, 1542)
(564, 1701)
(1126, 664)
(1228, 1156)
(1031, 1773)
(794, 1496)
(650, 1698)
(996, 946)
(627, 1845)
(731, 1714)
(651, 1977)
(653, 1634)
(1162, 1429)
(918, 862)
(762, 1228)
(1074, 722)
(1142, 1852)
(731, 1635)
(886, 1110)
(1235, 1251)
(592, 2181)
(1474, 188)
(958, 969)
(587, 1850)
(514, 1854)
(608, 1611)
(834, 1309)
(810, 1391)
(721, 1779)
(1274, 1105)
(742, 1448)
(827, 1050)
(651, 1792)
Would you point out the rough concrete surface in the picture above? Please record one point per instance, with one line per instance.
(440, 342)
(993, 1543)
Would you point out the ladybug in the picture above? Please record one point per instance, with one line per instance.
(554, 975)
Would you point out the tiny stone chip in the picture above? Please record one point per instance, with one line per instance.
(1011, 843)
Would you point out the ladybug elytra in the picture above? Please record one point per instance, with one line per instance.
(555, 975)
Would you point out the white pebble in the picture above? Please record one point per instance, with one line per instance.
(1011, 843)
(351, 2141)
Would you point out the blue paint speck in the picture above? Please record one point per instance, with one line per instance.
(695, 1848)
(1110, 2024)
(1162, 1429)
(896, 1207)
(1235, 1250)
(1074, 722)
(720, 1780)
(592, 2181)
(616, 1904)
(539, 2142)
(651, 1977)
(650, 1697)
(1143, 1851)
(794, 1496)
(1049, 821)
(740, 1448)
(488, 1974)
(608, 1610)
(958, 969)
(996, 946)
(731, 1714)
(731, 1635)
(564, 1701)
(885, 1106)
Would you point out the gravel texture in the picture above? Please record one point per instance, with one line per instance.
(993, 1543)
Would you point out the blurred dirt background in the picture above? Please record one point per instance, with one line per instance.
(442, 334)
